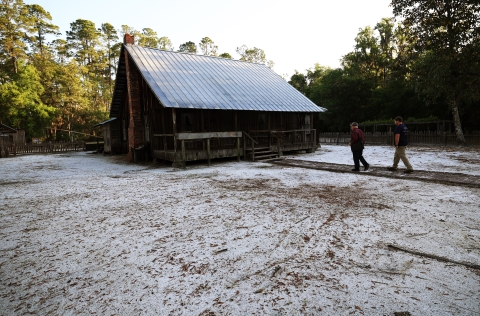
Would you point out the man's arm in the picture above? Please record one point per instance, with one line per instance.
(353, 138)
(397, 139)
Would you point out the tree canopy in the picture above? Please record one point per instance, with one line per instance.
(446, 57)
(188, 47)
(424, 62)
(48, 82)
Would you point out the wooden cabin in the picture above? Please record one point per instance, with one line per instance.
(182, 107)
(9, 137)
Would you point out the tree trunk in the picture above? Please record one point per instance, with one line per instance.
(15, 65)
(458, 124)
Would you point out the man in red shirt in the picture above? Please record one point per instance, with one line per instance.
(357, 140)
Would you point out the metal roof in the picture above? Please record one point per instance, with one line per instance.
(6, 129)
(182, 80)
(105, 122)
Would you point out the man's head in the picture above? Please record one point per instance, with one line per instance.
(353, 125)
(398, 120)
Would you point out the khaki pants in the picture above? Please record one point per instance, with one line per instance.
(400, 154)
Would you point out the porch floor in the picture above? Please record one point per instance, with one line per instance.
(223, 152)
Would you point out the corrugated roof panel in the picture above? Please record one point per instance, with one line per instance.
(199, 94)
(248, 92)
(173, 82)
(153, 78)
(207, 82)
(278, 86)
(190, 83)
(226, 81)
(183, 80)
(258, 73)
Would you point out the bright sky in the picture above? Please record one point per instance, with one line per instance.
(294, 34)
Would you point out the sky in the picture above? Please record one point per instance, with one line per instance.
(295, 35)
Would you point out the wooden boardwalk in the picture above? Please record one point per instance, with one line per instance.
(458, 179)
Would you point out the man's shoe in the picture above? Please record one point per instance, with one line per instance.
(408, 171)
(366, 167)
(391, 168)
(355, 169)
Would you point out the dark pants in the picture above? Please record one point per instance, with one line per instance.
(357, 158)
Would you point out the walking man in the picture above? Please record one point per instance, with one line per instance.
(401, 142)
(357, 140)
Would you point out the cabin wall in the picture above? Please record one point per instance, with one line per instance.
(145, 125)
(161, 129)
(135, 123)
(112, 138)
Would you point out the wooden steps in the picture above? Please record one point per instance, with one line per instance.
(263, 154)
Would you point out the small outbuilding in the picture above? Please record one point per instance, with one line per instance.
(183, 107)
(8, 138)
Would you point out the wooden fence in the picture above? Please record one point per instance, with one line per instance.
(417, 138)
(14, 149)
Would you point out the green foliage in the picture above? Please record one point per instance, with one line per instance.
(20, 102)
(422, 67)
(445, 51)
(431, 118)
(345, 98)
(125, 29)
(251, 55)
(66, 83)
(188, 47)
(165, 43)
(148, 38)
(225, 55)
(14, 26)
(388, 75)
(208, 47)
(40, 27)
(377, 121)
(299, 81)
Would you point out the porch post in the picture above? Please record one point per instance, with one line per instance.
(244, 147)
(184, 156)
(208, 151)
(238, 149)
(174, 130)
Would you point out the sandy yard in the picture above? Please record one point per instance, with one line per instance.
(85, 234)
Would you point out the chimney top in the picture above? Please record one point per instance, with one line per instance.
(128, 39)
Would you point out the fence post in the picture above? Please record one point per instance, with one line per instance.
(444, 139)
(338, 136)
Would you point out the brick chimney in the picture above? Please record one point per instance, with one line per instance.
(128, 39)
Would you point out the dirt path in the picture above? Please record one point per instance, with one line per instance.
(458, 179)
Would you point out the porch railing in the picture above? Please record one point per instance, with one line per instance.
(279, 138)
(201, 141)
(182, 142)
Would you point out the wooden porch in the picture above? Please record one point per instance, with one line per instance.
(259, 145)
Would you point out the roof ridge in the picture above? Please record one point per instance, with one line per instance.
(195, 54)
